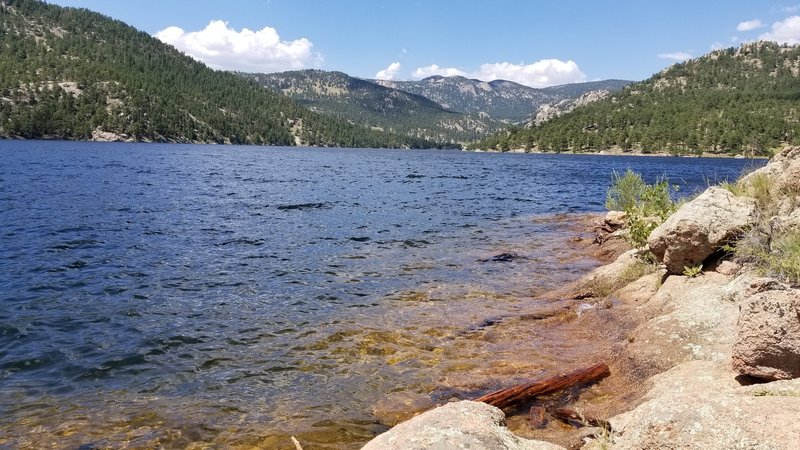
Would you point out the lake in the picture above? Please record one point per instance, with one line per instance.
(193, 295)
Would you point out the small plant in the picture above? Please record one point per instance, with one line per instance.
(734, 188)
(728, 249)
(692, 271)
(784, 259)
(762, 188)
(637, 269)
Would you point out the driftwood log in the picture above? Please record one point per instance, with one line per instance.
(511, 396)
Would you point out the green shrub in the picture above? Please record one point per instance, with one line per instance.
(625, 191)
(647, 206)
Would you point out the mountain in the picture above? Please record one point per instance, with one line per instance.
(549, 111)
(734, 100)
(499, 99)
(367, 103)
(73, 74)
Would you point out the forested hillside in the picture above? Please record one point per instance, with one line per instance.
(732, 101)
(68, 73)
(367, 103)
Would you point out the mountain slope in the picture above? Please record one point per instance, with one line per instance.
(371, 104)
(500, 99)
(68, 73)
(732, 100)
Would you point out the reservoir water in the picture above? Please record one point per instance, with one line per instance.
(218, 296)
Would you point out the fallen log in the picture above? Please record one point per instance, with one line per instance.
(569, 415)
(513, 395)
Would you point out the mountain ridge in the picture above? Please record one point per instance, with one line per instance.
(367, 103)
(501, 99)
(441, 109)
(729, 101)
(71, 73)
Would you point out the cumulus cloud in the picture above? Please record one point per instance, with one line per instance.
(784, 32)
(388, 73)
(749, 25)
(434, 69)
(222, 47)
(675, 56)
(543, 73)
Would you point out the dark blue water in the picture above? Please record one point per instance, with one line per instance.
(170, 295)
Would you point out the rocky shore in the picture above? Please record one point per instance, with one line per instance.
(711, 354)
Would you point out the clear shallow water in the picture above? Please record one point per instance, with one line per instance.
(191, 295)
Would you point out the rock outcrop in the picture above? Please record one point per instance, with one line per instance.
(768, 336)
(459, 425)
(689, 338)
(784, 171)
(700, 227)
(699, 405)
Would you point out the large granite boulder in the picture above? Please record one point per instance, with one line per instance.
(700, 227)
(767, 345)
(699, 405)
(459, 425)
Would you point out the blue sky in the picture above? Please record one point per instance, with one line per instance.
(537, 43)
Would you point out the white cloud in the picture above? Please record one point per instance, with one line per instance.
(785, 32)
(434, 69)
(543, 73)
(546, 72)
(717, 46)
(675, 56)
(223, 47)
(791, 9)
(389, 73)
(749, 25)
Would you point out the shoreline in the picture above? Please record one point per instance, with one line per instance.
(621, 153)
(686, 364)
(112, 138)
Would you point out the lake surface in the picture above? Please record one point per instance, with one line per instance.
(190, 295)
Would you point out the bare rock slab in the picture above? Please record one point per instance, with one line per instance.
(700, 227)
(768, 336)
(699, 405)
(459, 425)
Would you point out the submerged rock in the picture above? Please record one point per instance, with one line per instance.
(459, 425)
(700, 227)
(768, 336)
(502, 257)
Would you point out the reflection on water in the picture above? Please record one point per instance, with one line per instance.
(192, 296)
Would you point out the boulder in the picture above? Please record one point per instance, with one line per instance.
(700, 227)
(767, 344)
(699, 405)
(688, 319)
(457, 425)
(616, 219)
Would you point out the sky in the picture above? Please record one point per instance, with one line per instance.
(532, 42)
